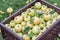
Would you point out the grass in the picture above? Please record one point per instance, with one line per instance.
(57, 38)
(15, 4)
(0, 36)
(54, 2)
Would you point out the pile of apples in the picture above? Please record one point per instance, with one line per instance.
(33, 22)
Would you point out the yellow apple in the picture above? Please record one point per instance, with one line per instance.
(26, 37)
(13, 30)
(36, 30)
(23, 23)
(8, 25)
(34, 38)
(48, 23)
(58, 17)
(37, 5)
(18, 19)
(47, 17)
(55, 15)
(44, 8)
(42, 25)
(27, 18)
(24, 14)
(36, 20)
(9, 10)
(29, 24)
(29, 31)
(44, 29)
(31, 12)
(18, 28)
(20, 34)
(12, 23)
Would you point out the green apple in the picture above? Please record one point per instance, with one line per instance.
(12, 23)
(39, 34)
(28, 10)
(27, 18)
(8, 25)
(48, 23)
(36, 29)
(41, 19)
(31, 34)
(28, 1)
(54, 20)
(44, 8)
(18, 28)
(55, 4)
(23, 28)
(23, 23)
(24, 14)
(50, 9)
(37, 5)
(58, 17)
(20, 34)
(44, 29)
(36, 20)
(26, 37)
(18, 19)
(47, 17)
(12, 29)
(34, 38)
(29, 24)
(42, 25)
(29, 31)
(55, 15)
(31, 12)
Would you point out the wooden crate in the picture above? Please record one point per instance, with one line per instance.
(49, 34)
